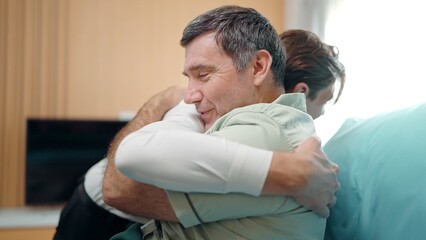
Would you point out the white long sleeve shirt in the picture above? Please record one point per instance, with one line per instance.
(197, 162)
(173, 154)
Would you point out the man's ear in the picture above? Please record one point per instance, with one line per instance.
(262, 66)
(302, 88)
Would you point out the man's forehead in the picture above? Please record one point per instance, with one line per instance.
(204, 54)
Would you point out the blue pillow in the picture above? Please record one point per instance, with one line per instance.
(382, 172)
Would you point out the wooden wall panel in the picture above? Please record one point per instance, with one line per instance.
(11, 117)
(87, 59)
(32, 76)
(127, 52)
(3, 56)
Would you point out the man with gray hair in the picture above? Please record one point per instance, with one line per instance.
(235, 64)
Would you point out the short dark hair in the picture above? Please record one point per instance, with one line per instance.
(240, 32)
(311, 61)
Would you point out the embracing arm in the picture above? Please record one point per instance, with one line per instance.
(306, 175)
(223, 166)
(126, 194)
(210, 164)
(266, 173)
(294, 183)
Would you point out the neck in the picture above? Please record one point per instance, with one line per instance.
(268, 94)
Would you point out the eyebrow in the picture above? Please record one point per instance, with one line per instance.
(198, 68)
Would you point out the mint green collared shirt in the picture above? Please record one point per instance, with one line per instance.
(281, 126)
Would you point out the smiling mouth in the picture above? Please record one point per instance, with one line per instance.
(204, 114)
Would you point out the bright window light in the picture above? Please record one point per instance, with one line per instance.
(382, 44)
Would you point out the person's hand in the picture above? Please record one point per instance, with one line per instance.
(306, 175)
(156, 106)
(321, 185)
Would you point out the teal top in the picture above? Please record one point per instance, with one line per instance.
(282, 125)
(382, 172)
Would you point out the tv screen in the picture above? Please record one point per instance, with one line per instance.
(58, 154)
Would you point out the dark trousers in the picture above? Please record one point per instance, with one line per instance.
(82, 219)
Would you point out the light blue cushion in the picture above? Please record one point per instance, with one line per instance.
(382, 164)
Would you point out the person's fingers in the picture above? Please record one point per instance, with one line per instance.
(332, 202)
(317, 140)
(338, 187)
(324, 212)
(335, 167)
(311, 144)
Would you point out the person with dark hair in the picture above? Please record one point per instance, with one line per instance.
(313, 68)
(235, 63)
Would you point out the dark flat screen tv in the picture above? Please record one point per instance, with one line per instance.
(58, 154)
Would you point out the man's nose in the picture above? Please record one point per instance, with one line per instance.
(192, 94)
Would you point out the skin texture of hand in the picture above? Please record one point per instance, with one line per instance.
(126, 194)
(306, 175)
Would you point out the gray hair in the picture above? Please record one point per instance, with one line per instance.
(241, 32)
